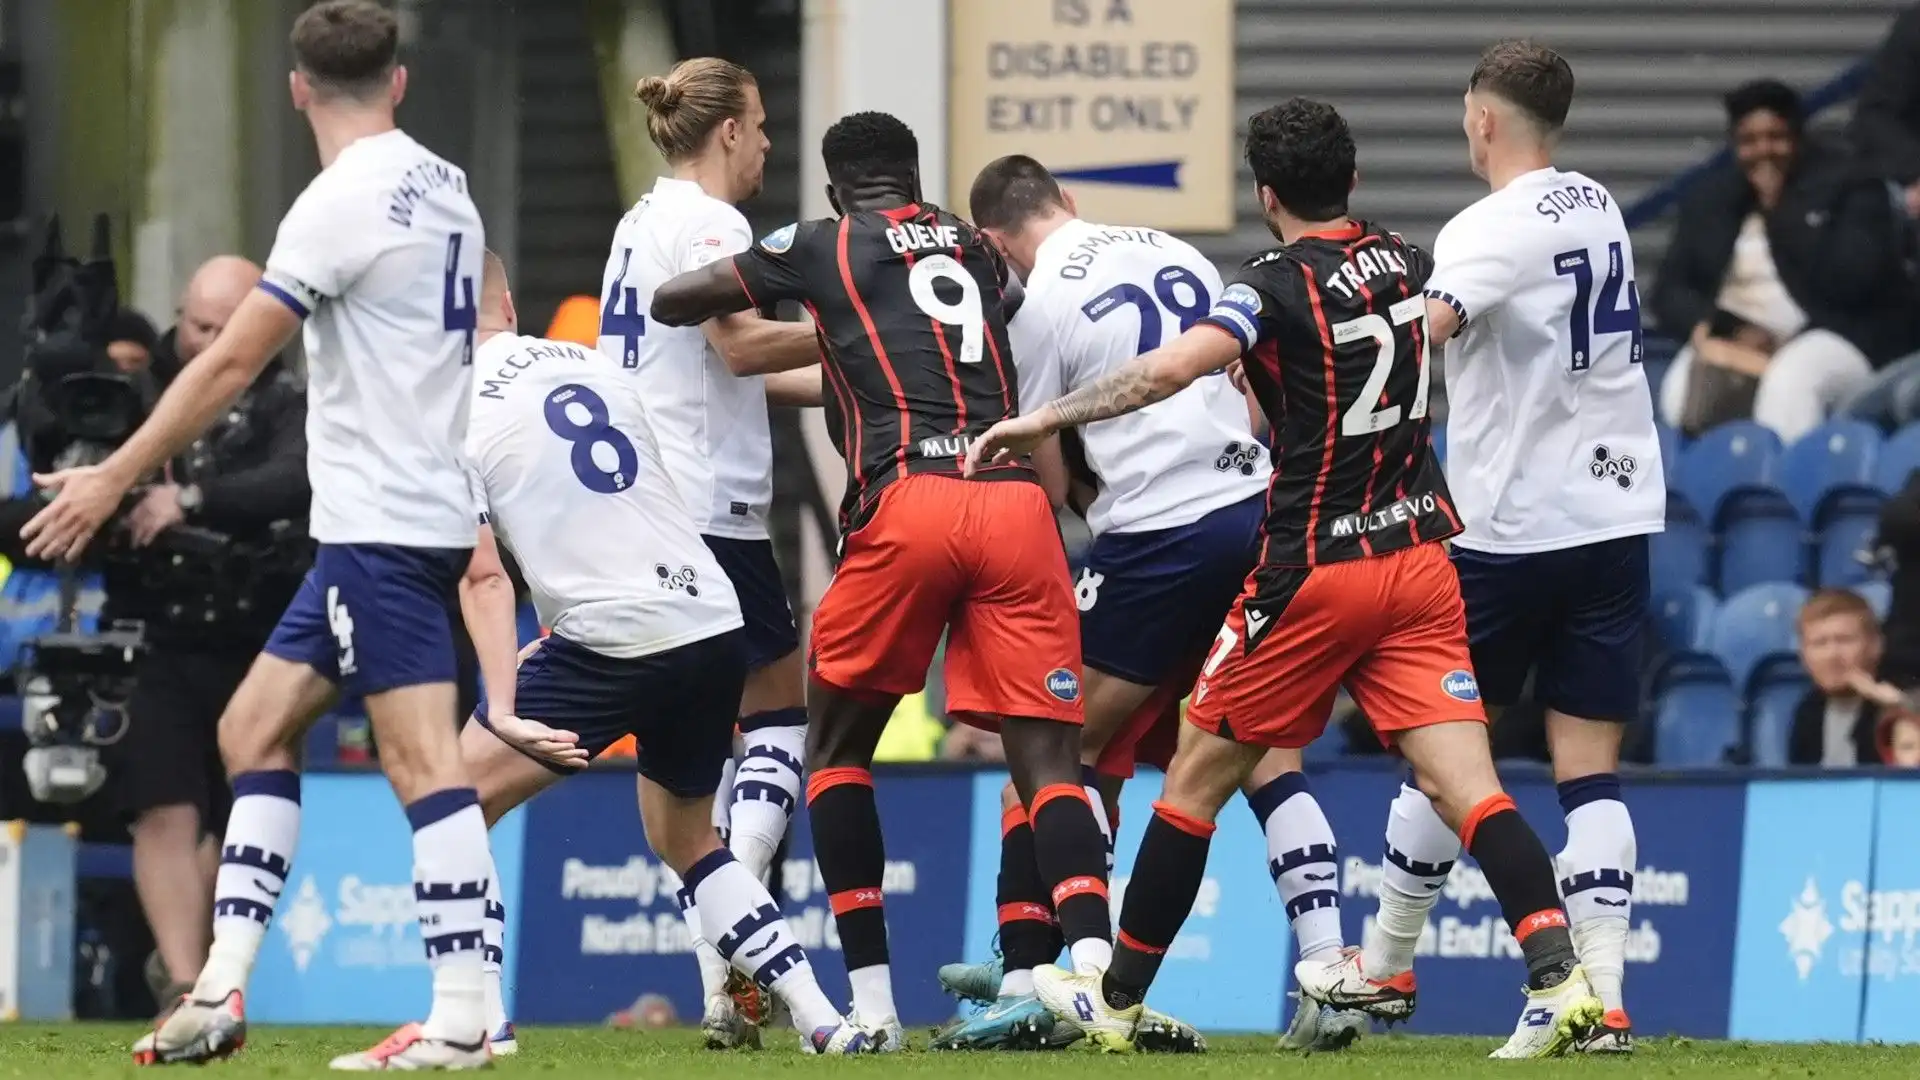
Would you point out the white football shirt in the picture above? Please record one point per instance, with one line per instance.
(575, 486)
(381, 255)
(1110, 294)
(712, 423)
(1550, 432)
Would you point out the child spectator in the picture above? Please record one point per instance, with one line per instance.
(1834, 724)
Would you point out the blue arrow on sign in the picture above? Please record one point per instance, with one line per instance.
(1148, 174)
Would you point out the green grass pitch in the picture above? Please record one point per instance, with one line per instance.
(86, 1051)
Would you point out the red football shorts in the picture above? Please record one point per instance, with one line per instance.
(981, 561)
(1151, 734)
(1391, 627)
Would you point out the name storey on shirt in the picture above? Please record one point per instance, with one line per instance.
(521, 359)
(1561, 201)
(419, 182)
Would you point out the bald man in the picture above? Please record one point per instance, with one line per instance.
(247, 473)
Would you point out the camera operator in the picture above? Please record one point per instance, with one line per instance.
(207, 607)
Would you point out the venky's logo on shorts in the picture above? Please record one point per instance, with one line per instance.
(1063, 684)
(1460, 685)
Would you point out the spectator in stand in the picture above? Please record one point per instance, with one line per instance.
(1900, 738)
(1886, 119)
(1835, 725)
(1784, 277)
(1897, 550)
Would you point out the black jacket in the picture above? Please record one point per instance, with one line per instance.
(1899, 546)
(1834, 242)
(1886, 119)
(251, 467)
(1807, 743)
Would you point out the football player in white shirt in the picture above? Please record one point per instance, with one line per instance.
(1176, 520)
(646, 637)
(379, 257)
(708, 399)
(1554, 461)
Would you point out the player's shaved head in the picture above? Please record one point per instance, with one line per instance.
(496, 302)
(1532, 78)
(212, 295)
(866, 146)
(1012, 191)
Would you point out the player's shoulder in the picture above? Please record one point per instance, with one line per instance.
(1277, 271)
(799, 236)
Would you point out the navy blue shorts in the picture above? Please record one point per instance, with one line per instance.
(374, 617)
(678, 705)
(1151, 600)
(1573, 618)
(771, 633)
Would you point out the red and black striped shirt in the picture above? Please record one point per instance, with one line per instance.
(909, 303)
(1333, 328)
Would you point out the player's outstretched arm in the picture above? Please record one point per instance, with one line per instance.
(801, 389)
(1442, 322)
(1150, 377)
(751, 345)
(486, 605)
(205, 388)
(694, 297)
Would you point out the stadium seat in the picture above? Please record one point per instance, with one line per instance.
(1761, 540)
(1730, 458)
(1754, 624)
(1832, 460)
(1683, 619)
(1671, 447)
(1679, 555)
(1770, 717)
(1878, 594)
(1836, 559)
(1439, 439)
(1696, 723)
(1899, 455)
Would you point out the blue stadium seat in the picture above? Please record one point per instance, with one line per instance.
(1878, 594)
(1770, 717)
(1683, 619)
(1679, 556)
(1730, 458)
(1696, 723)
(1672, 446)
(1832, 460)
(1899, 455)
(1439, 439)
(1836, 559)
(1761, 539)
(1754, 624)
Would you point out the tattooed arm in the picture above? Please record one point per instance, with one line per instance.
(1154, 376)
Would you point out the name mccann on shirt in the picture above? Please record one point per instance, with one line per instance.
(522, 359)
(419, 182)
(1366, 264)
(1562, 201)
(1081, 259)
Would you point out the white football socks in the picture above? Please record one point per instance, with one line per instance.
(1421, 851)
(1303, 861)
(1596, 879)
(263, 829)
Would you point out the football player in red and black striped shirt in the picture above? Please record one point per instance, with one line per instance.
(1353, 584)
(911, 305)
